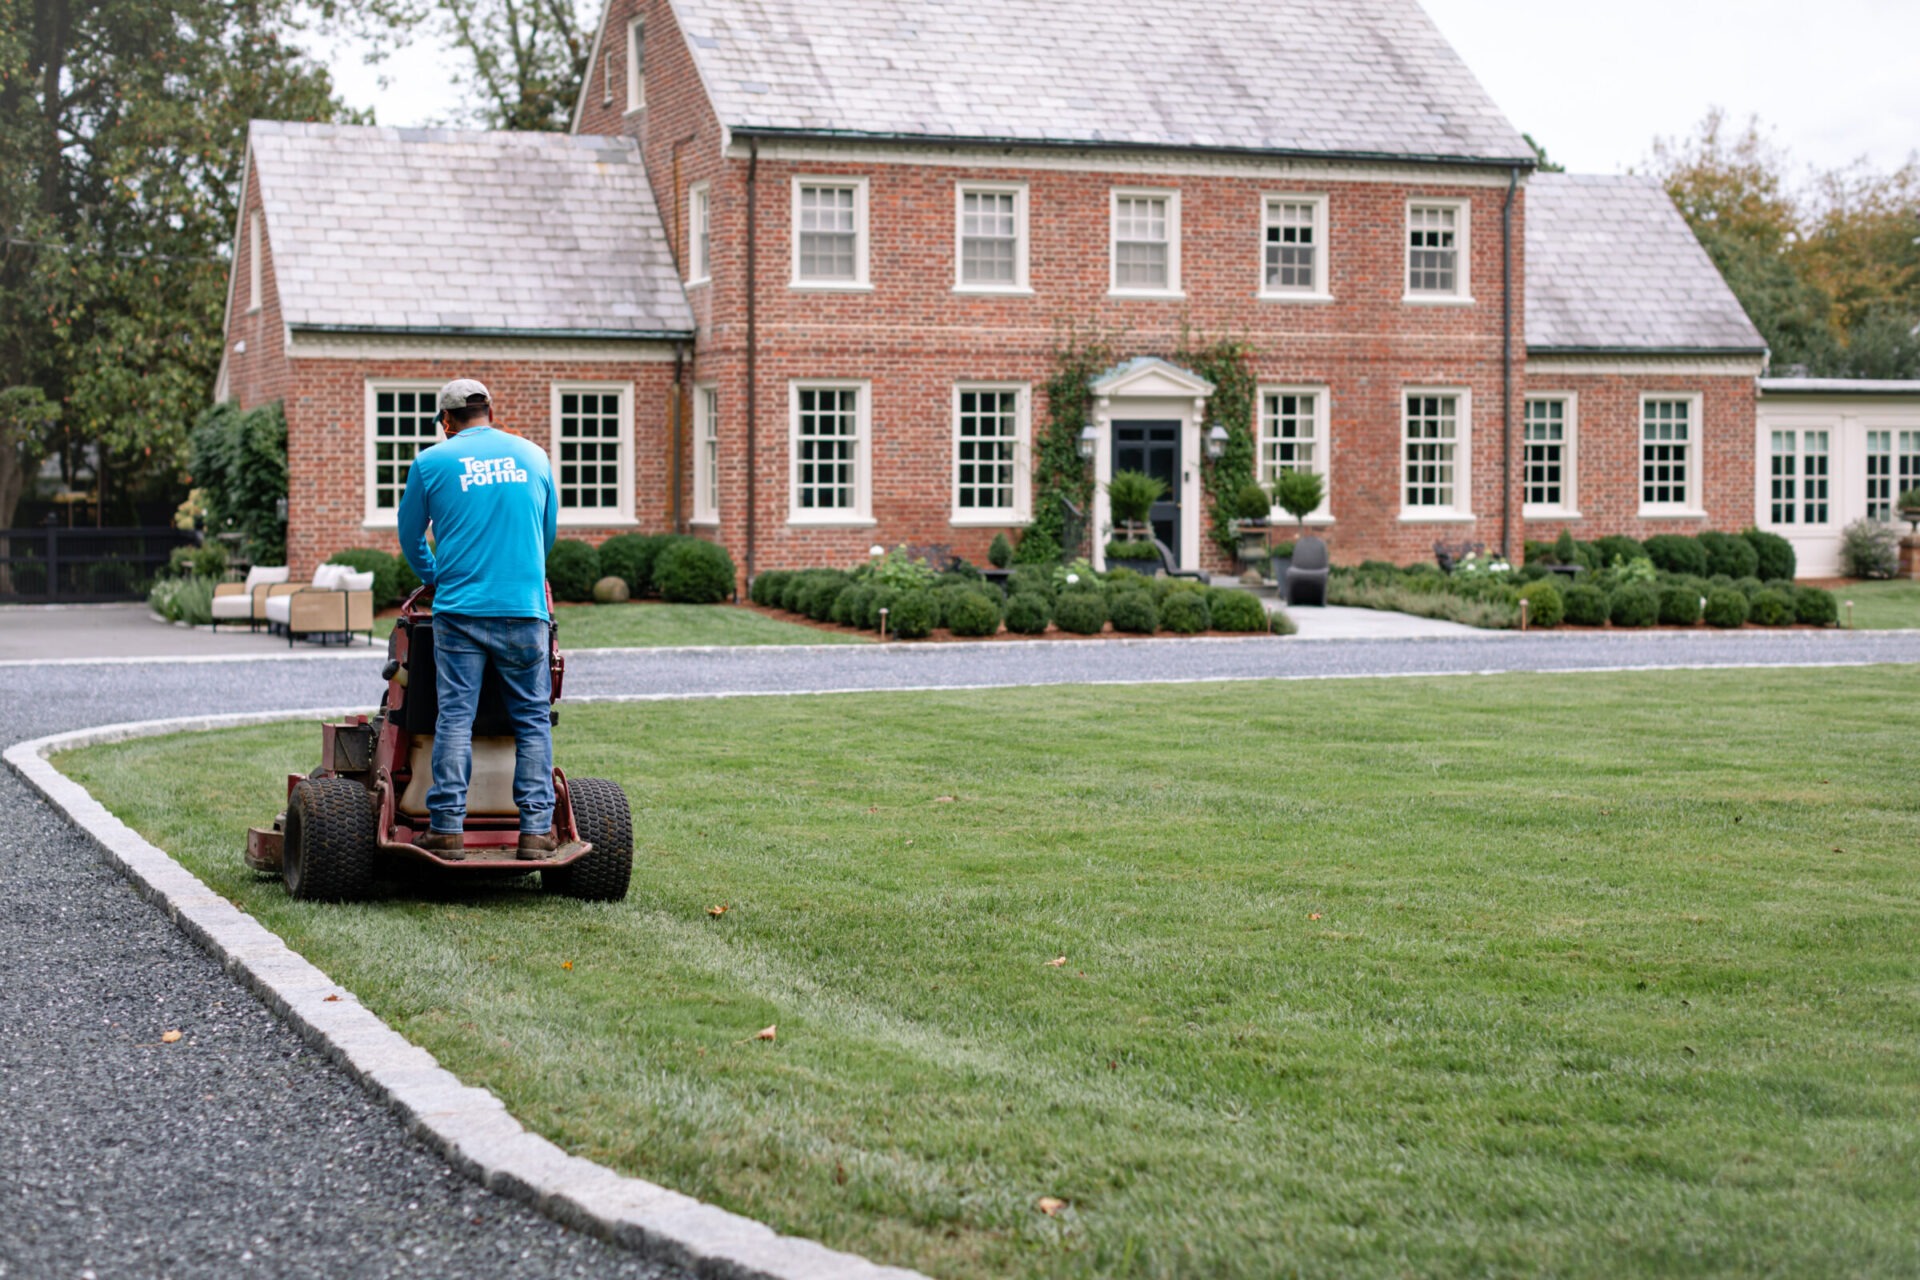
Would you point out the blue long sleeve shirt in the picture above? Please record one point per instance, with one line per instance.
(490, 499)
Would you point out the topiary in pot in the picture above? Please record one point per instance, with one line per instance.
(1186, 613)
(972, 613)
(694, 571)
(1131, 495)
(1082, 612)
(1545, 605)
(910, 616)
(1133, 612)
(1252, 502)
(572, 569)
(1772, 608)
(1815, 607)
(1000, 551)
(1236, 611)
(1028, 613)
(1634, 606)
(1679, 605)
(1775, 552)
(1725, 607)
(1298, 493)
(1584, 605)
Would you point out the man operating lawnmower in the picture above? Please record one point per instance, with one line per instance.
(489, 498)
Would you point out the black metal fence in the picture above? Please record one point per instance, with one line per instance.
(49, 565)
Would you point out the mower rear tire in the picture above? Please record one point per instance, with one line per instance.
(600, 812)
(329, 848)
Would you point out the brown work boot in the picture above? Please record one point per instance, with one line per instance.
(450, 845)
(534, 847)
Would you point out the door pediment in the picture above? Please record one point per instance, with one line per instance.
(1150, 377)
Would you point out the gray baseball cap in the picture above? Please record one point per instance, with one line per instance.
(463, 393)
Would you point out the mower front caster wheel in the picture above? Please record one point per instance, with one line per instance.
(600, 812)
(329, 846)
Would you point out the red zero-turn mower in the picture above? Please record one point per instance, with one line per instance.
(355, 817)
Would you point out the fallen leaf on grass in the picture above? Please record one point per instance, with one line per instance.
(1056, 962)
(1313, 915)
(330, 999)
(943, 799)
(839, 1174)
(566, 964)
(168, 1037)
(765, 1033)
(1050, 1205)
(719, 909)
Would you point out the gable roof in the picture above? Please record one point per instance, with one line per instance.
(1611, 265)
(451, 231)
(1371, 78)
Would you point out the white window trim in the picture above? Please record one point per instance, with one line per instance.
(1462, 296)
(861, 517)
(1323, 445)
(1696, 425)
(699, 270)
(1022, 284)
(1322, 256)
(256, 272)
(597, 517)
(636, 71)
(1462, 508)
(862, 282)
(702, 513)
(1022, 510)
(1172, 196)
(1569, 508)
(371, 516)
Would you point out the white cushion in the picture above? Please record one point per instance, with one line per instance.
(233, 606)
(327, 576)
(280, 608)
(265, 575)
(357, 581)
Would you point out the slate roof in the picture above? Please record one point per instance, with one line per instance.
(1611, 265)
(437, 230)
(1343, 77)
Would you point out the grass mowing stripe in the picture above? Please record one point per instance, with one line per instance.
(1509, 976)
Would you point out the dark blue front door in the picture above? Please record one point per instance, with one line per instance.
(1154, 447)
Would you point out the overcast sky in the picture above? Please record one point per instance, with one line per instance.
(1595, 83)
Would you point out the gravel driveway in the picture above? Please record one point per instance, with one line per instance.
(239, 1149)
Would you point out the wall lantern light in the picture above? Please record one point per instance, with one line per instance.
(1216, 442)
(1089, 438)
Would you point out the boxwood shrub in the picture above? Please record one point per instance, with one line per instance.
(1584, 604)
(1726, 607)
(1679, 604)
(850, 607)
(789, 597)
(1677, 553)
(1028, 613)
(1617, 547)
(1134, 612)
(1634, 606)
(573, 567)
(910, 616)
(1815, 607)
(1236, 611)
(631, 556)
(882, 598)
(1749, 587)
(1772, 608)
(1546, 607)
(1034, 578)
(1729, 554)
(1776, 558)
(1186, 613)
(972, 613)
(767, 587)
(694, 571)
(1082, 612)
(817, 597)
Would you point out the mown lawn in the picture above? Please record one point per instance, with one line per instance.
(653, 626)
(1520, 976)
(1881, 606)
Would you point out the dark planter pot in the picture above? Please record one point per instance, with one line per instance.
(1145, 568)
(1280, 566)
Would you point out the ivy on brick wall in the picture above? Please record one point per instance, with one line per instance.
(1228, 364)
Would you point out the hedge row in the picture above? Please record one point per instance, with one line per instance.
(677, 568)
(1685, 603)
(1750, 554)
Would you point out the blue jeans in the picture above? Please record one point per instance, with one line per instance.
(517, 647)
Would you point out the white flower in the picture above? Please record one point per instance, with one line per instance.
(1073, 579)
(876, 551)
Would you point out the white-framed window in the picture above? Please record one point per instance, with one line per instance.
(1293, 248)
(991, 480)
(591, 447)
(1437, 251)
(1800, 478)
(1550, 455)
(636, 64)
(256, 260)
(990, 238)
(1293, 437)
(830, 447)
(830, 233)
(1891, 472)
(706, 455)
(699, 233)
(1435, 453)
(402, 419)
(1669, 458)
(1145, 244)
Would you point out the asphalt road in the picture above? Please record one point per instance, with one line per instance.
(239, 1150)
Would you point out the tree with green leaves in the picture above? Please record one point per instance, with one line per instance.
(122, 133)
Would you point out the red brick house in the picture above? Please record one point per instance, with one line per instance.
(809, 267)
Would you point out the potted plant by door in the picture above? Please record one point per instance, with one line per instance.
(1298, 493)
(1910, 509)
(1131, 495)
(1252, 506)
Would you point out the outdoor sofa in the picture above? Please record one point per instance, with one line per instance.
(235, 602)
(338, 602)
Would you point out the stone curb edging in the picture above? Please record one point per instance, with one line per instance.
(468, 1127)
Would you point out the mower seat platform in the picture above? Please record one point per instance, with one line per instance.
(489, 786)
